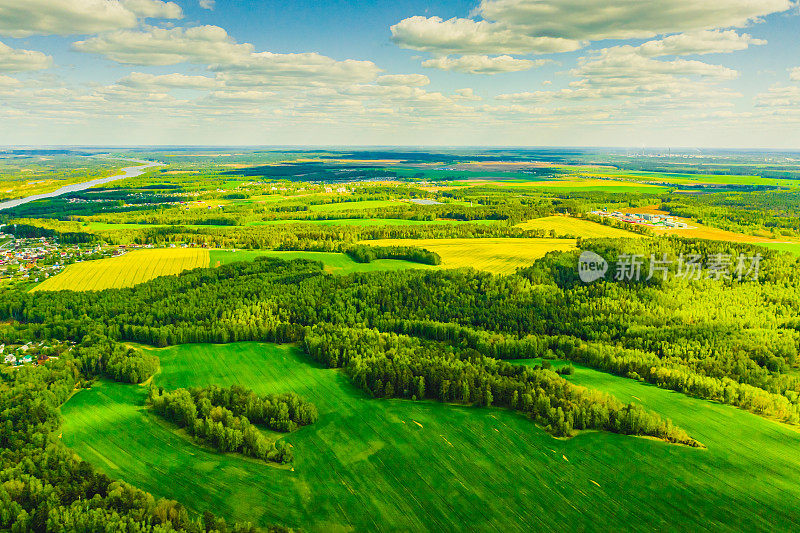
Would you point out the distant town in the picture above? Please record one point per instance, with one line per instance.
(644, 219)
(36, 259)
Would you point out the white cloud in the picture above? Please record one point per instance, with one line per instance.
(8, 81)
(405, 80)
(154, 9)
(625, 19)
(481, 64)
(245, 97)
(466, 94)
(702, 42)
(794, 74)
(21, 18)
(466, 36)
(780, 96)
(168, 81)
(622, 73)
(160, 46)
(14, 60)
(207, 4)
(625, 63)
(267, 68)
(237, 64)
(545, 26)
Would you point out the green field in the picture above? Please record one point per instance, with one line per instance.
(334, 262)
(399, 465)
(791, 247)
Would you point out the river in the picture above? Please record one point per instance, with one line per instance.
(127, 172)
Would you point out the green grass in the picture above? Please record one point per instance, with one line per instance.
(791, 247)
(422, 466)
(334, 262)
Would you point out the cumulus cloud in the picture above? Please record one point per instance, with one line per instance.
(794, 74)
(237, 63)
(625, 19)
(161, 46)
(14, 60)
(267, 68)
(625, 62)
(545, 26)
(154, 9)
(207, 4)
(623, 73)
(22, 18)
(404, 80)
(467, 36)
(702, 42)
(481, 64)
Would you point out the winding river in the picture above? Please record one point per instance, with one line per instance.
(127, 172)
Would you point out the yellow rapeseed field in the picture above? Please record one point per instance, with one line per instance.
(127, 270)
(576, 227)
(500, 256)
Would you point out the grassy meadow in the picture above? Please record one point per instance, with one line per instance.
(791, 247)
(499, 256)
(399, 465)
(127, 270)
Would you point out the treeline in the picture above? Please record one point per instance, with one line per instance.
(368, 254)
(30, 231)
(290, 236)
(777, 397)
(217, 418)
(388, 365)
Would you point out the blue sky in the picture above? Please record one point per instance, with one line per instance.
(682, 73)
